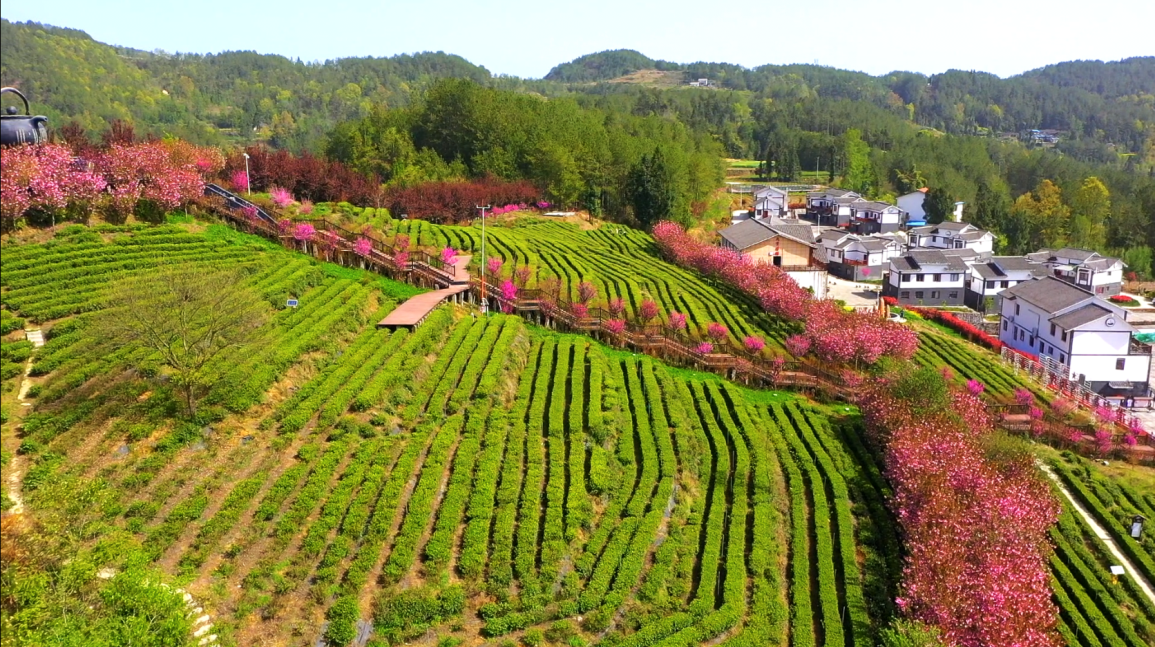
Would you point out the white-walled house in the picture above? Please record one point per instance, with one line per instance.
(912, 204)
(989, 277)
(854, 257)
(1085, 337)
(952, 235)
(1102, 275)
(770, 201)
(927, 277)
(876, 217)
(819, 200)
(832, 206)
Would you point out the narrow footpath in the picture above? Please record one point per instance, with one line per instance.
(1103, 535)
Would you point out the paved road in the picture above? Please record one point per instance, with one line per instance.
(854, 294)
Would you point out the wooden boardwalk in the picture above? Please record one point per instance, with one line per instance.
(415, 310)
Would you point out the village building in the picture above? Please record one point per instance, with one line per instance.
(858, 258)
(912, 204)
(952, 235)
(770, 202)
(1102, 275)
(989, 277)
(788, 244)
(1078, 335)
(927, 277)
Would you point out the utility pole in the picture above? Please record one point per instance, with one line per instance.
(484, 299)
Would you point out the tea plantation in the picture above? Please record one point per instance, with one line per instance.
(474, 480)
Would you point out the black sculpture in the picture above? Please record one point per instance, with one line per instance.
(21, 129)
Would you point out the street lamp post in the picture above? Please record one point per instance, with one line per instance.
(484, 300)
(248, 182)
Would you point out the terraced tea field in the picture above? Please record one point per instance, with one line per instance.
(477, 479)
(473, 478)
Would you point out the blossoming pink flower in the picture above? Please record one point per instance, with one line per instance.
(615, 326)
(648, 311)
(240, 181)
(677, 321)
(581, 310)
(753, 344)
(280, 197)
(704, 348)
(586, 291)
(975, 387)
(304, 231)
(449, 256)
(493, 265)
(616, 306)
(1024, 396)
(509, 290)
(363, 246)
(717, 332)
(305, 208)
(797, 345)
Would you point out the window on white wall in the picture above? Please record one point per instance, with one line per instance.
(1120, 363)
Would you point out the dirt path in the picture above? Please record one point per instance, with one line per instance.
(1102, 534)
(15, 481)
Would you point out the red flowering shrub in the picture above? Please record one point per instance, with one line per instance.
(615, 326)
(305, 176)
(975, 528)
(833, 333)
(452, 202)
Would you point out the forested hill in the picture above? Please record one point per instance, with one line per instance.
(209, 98)
(1103, 109)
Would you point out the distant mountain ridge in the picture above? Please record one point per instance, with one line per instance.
(242, 96)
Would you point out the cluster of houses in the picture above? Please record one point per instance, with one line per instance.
(1053, 303)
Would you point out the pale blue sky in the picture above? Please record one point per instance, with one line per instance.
(526, 38)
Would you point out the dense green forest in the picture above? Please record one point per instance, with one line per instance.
(618, 149)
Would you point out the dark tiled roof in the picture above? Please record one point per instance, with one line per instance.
(801, 233)
(1074, 253)
(953, 226)
(997, 267)
(1050, 294)
(1102, 264)
(746, 234)
(751, 232)
(1080, 316)
(973, 235)
(929, 259)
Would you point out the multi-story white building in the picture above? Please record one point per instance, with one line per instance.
(952, 235)
(1087, 337)
(912, 204)
(876, 217)
(770, 201)
(989, 277)
(1100, 274)
(855, 257)
(927, 277)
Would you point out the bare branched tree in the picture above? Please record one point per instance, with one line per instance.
(187, 316)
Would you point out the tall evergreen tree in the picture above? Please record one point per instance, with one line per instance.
(938, 206)
(859, 174)
(650, 187)
(992, 207)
